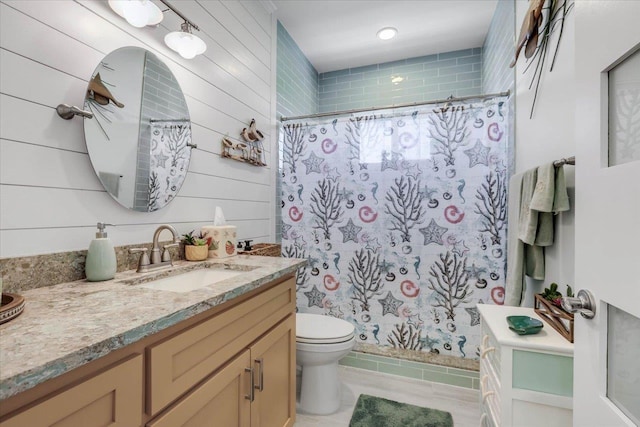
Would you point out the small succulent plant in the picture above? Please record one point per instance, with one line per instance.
(190, 239)
(552, 294)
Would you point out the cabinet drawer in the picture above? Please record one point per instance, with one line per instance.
(490, 395)
(543, 372)
(490, 349)
(487, 369)
(185, 359)
(111, 398)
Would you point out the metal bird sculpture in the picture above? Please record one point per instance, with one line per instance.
(529, 32)
(99, 92)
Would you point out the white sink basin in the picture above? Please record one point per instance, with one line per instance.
(191, 280)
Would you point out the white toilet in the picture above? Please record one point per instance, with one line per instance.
(320, 342)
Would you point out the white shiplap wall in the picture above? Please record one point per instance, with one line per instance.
(50, 197)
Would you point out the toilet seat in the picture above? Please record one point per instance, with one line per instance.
(319, 329)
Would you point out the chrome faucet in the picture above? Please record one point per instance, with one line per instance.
(157, 261)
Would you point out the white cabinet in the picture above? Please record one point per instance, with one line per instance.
(524, 380)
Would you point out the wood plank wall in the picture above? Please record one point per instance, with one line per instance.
(50, 197)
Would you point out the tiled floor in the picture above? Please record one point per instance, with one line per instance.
(461, 402)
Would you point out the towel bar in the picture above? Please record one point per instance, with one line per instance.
(568, 161)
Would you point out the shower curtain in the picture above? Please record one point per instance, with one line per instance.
(169, 160)
(402, 216)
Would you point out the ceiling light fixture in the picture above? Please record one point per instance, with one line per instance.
(138, 13)
(387, 33)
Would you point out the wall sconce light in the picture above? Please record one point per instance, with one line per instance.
(141, 13)
(185, 43)
(138, 13)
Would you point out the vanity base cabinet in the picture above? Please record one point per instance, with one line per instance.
(110, 398)
(525, 381)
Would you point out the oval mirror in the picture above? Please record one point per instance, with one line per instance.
(139, 140)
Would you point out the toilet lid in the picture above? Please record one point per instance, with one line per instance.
(319, 329)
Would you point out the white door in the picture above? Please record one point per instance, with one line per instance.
(607, 348)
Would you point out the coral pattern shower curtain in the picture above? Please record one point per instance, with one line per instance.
(169, 161)
(402, 215)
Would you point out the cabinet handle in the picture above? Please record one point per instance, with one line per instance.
(486, 395)
(251, 395)
(485, 351)
(260, 385)
(484, 340)
(483, 383)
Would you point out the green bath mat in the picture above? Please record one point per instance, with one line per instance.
(372, 411)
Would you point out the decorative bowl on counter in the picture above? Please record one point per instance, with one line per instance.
(11, 307)
(524, 325)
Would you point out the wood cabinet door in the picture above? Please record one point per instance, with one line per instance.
(274, 365)
(111, 398)
(222, 400)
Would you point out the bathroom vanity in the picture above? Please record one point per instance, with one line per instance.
(117, 353)
(525, 380)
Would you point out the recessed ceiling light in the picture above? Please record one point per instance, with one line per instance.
(387, 33)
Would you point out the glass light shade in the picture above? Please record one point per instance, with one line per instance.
(138, 13)
(387, 33)
(186, 44)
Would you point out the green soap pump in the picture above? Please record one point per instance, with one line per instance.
(101, 257)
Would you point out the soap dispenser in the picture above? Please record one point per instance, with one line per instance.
(101, 257)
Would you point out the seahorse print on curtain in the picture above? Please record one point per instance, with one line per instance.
(402, 216)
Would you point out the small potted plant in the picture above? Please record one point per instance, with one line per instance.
(196, 248)
(548, 305)
(552, 294)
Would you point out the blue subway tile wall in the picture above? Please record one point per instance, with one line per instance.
(497, 53)
(499, 49)
(410, 369)
(297, 79)
(296, 89)
(418, 79)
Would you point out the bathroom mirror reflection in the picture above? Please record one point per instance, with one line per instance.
(139, 140)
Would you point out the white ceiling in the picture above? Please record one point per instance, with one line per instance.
(339, 34)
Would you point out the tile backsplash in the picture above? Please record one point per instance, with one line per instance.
(30, 272)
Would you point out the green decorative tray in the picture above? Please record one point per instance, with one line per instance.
(524, 325)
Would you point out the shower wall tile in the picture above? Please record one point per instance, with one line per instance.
(297, 79)
(424, 78)
(297, 91)
(410, 369)
(498, 50)
(401, 371)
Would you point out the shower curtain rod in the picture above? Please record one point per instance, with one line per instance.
(168, 120)
(411, 104)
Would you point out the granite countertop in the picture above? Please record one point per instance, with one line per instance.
(68, 325)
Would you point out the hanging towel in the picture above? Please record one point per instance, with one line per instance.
(549, 197)
(534, 197)
(528, 218)
(515, 284)
(111, 182)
